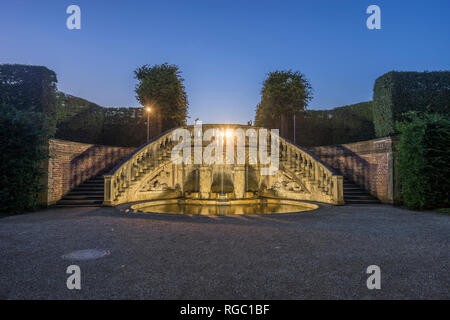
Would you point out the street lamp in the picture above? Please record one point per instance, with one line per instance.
(148, 110)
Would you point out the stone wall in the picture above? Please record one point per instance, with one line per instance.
(370, 164)
(71, 163)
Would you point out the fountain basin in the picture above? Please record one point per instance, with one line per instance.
(220, 207)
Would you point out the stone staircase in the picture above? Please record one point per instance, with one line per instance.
(88, 194)
(355, 195)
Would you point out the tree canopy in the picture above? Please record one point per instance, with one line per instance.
(283, 94)
(161, 87)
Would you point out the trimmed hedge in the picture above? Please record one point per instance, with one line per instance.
(340, 125)
(424, 161)
(23, 141)
(83, 121)
(396, 93)
(33, 89)
(78, 119)
(28, 88)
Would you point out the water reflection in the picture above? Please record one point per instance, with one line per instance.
(197, 209)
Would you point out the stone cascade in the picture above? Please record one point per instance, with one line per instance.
(150, 174)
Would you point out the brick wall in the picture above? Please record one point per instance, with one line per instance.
(370, 164)
(71, 163)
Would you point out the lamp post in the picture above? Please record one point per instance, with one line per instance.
(148, 110)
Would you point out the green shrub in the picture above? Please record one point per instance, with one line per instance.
(23, 140)
(424, 161)
(396, 93)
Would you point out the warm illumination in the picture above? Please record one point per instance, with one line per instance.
(148, 109)
(229, 133)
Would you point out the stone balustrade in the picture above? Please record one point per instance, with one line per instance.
(149, 173)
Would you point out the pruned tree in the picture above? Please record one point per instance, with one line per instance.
(283, 94)
(161, 87)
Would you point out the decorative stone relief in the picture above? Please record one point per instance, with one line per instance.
(284, 182)
(159, 182)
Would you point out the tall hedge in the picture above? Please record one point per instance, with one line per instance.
(126, 127)
(23, 141)
(340, 125)
(396, 93)
(326, 127)
(84, 121)
(424, 161)
(29, 88)
(78, 119)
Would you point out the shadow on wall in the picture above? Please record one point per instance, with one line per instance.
(93, 161)
(370, 164)
(349, 164)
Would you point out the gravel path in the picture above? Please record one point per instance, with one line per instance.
(322, 254)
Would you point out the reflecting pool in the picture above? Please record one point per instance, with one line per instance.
(257, 207)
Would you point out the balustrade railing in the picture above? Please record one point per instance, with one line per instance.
(127, 172)
(293, 159)
(305, 165)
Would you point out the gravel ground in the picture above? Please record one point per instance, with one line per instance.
(322, 254)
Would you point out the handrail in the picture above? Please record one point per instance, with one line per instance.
(118, 165)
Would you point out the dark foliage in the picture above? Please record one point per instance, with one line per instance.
(396, 93)
(30, 88)
(23, 141)
(162, 88)
(326, 127)
(78, 119)
(424, 160)
(283, 94)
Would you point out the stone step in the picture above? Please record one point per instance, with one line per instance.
(86, 196)
(356, 192)
(375, 201)
(352, 188)
(76, 205)
(80, 202)
(92, 183)
(101, 180)
(358, 197)
(84, 187)
(75, 193)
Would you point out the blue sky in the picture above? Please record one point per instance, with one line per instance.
(226, 48)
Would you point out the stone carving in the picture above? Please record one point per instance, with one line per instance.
(159, 182)
(301, 176)
(283, 182)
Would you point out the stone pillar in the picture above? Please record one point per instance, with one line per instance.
(205, 182)
(239, 181)
(298, 164)
(180, 177)
(108, 192)
(289, 156)
(338, 190)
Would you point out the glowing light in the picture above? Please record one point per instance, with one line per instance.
(229, 133)
(148, 109)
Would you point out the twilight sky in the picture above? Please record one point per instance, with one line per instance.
(226, 48)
